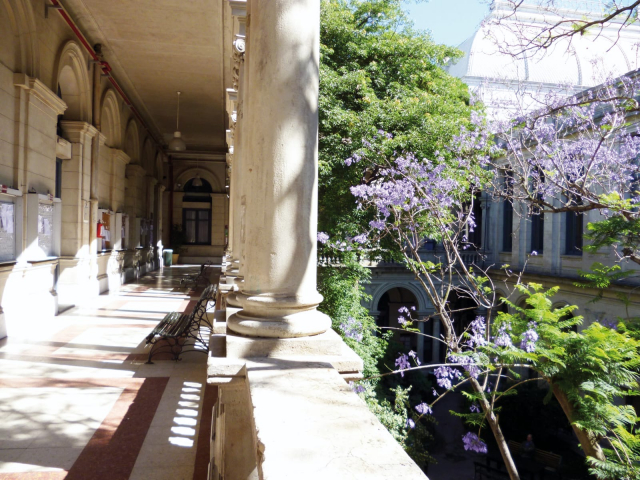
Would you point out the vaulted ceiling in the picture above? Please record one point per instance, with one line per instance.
(159, 47)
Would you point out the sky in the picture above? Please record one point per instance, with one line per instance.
(450, 22)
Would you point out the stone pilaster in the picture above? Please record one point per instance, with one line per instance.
(135, 175)
(279, 296)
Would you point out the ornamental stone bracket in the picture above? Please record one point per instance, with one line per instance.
(41, 91)
(230, 141)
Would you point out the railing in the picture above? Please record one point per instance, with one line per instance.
(469, 257)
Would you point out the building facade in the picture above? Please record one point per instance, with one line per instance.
(509, 83)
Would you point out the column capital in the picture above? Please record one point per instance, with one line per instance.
(135, 170)
(161, 187)
(40, 90)
(120, 157)
(238, 8)
(78, 132)
(101, 138)
(232, 100)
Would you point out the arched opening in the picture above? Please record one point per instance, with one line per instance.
(73, 84)
(389, 305)
(110, 120)
(9, 41)
(132, 143)
(69, 91)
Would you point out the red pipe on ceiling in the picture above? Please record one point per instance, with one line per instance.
(106, 68)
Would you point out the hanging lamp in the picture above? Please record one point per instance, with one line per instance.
(177, 143)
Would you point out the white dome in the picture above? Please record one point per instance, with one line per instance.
(582, 61)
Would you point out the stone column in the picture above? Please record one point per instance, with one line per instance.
(279, 296)
(235, 271)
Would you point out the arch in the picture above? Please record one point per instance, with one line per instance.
(205, 174)
(10, 47)
(421, 297)
(132, 142)
(73, 82)
(110, 119)
(26, 43)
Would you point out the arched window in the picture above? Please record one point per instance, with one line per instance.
(388, 307)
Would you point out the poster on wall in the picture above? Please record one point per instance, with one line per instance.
(7, 232)
(45, 228)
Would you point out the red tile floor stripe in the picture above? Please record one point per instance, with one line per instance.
(203, 449)
(112, 451)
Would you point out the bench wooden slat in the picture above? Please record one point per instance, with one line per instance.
(541, 456)
(177, 325)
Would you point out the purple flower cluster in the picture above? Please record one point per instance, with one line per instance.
(352, 328)
(503, 338)
(423, 409)
(478, 332)
(529, 338)
(357, 388)
(405, 311)
(411, 424)
(414, 355)
(473, 443)
(402, 363)
(446, 375)
(323, 237)
(407, 184)
(468, 362)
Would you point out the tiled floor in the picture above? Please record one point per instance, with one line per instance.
(78, 402)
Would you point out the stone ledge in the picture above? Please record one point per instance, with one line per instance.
(325, 344)
(314, 427)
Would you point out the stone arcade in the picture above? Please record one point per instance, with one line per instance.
(90, 196)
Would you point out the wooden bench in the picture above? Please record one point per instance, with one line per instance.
(173, 331)
(203, 275)
(551, 461)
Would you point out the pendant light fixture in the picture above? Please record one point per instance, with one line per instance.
(177, 143)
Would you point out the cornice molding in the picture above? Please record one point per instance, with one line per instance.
(238, 8)
(40, 90)
(75, 130)
(120, 156)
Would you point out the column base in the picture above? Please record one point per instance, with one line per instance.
(3, 325)
(328, 343)
(292, 325)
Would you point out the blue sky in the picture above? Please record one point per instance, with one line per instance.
(450, 21)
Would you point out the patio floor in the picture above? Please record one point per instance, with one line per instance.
(77, 400)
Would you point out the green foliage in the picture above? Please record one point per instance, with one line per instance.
(343, 295)
(394, 415)
(376, 73)
(591, 371)
(618, 230)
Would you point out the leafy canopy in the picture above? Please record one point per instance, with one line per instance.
(378, 73)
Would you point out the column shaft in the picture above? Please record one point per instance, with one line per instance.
(279, 173)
